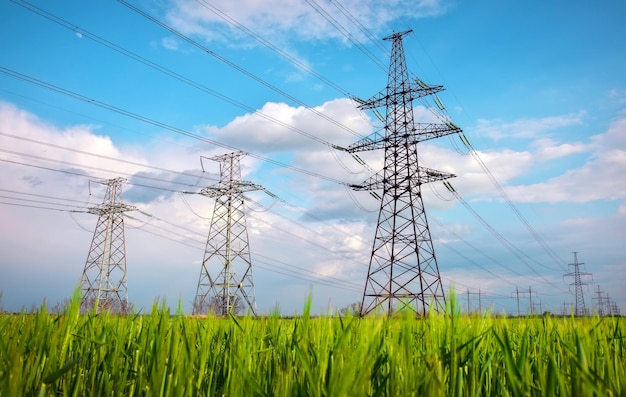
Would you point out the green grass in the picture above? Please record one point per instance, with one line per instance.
(173, 355)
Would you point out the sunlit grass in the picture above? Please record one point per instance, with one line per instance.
(164, 354)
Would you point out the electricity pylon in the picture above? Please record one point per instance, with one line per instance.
(403, 271)
(225, 285)
(579, 309)
(601, 302)
(103, 281)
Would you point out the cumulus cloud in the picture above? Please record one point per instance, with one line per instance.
(278, 127)
(598, 178)
(526, 128)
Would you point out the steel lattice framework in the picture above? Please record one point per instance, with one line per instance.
(580, 309)
(225, 285)
(103, 282)
(403, 271)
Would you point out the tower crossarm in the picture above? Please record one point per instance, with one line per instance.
(427, 175)
(230, 188)
(375, 182)
(420, 133)
(382, 99)
(424, 175)
(109, 208)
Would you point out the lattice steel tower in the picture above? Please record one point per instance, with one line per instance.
(225, 284)
(580, 309)
(103, 281)
(403, 271)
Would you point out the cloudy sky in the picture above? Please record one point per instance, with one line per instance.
(143, 90)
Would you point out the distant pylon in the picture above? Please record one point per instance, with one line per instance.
(103, 282)
(225, 285)
(403, 271)
(579, 309)
(601, 302)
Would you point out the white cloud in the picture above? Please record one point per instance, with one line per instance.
(526, 128)
(281, 19)
(278, 127)
(170, 43)
(547, 149)
(599, 178)
(622, 210)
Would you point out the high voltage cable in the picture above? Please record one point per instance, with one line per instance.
(480, 252)
(515, 210)
(201, 176)
(37, 201)
(302, 275)
(301, 65)
(89, 176)
(505, 242)
(341, 29)
(68, 25)
(533, 232)
(159, 124)
(301, 238)
(512, 248)
(299, 224)
(347, 284)
(359, 25)
(151, 187)
(42, 196)
(38, 207)
(94, 168)
(236, 67)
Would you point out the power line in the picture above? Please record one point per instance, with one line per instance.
(68, 25)
(501, 239)
(299, 64)
(31, 140)
(235, 66)
(159, 124)
(345, 32)
(291, 271)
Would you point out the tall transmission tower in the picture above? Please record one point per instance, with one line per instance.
(103, 281)
(403, 271)
(225, 285)
(579, 309)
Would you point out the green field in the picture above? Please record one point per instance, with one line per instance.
(160, 354)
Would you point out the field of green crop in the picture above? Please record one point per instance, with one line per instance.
(160, 354)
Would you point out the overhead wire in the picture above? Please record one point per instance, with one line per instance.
(235, 66)
(159, 124)
(135, 175)
(286, 55)
(38, 207)
(345, 32)
(125, 161)
(68, 25)
(519, 254)
(299, 273)
(374, 40)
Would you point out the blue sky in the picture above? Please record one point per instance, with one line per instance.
(538, 89)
